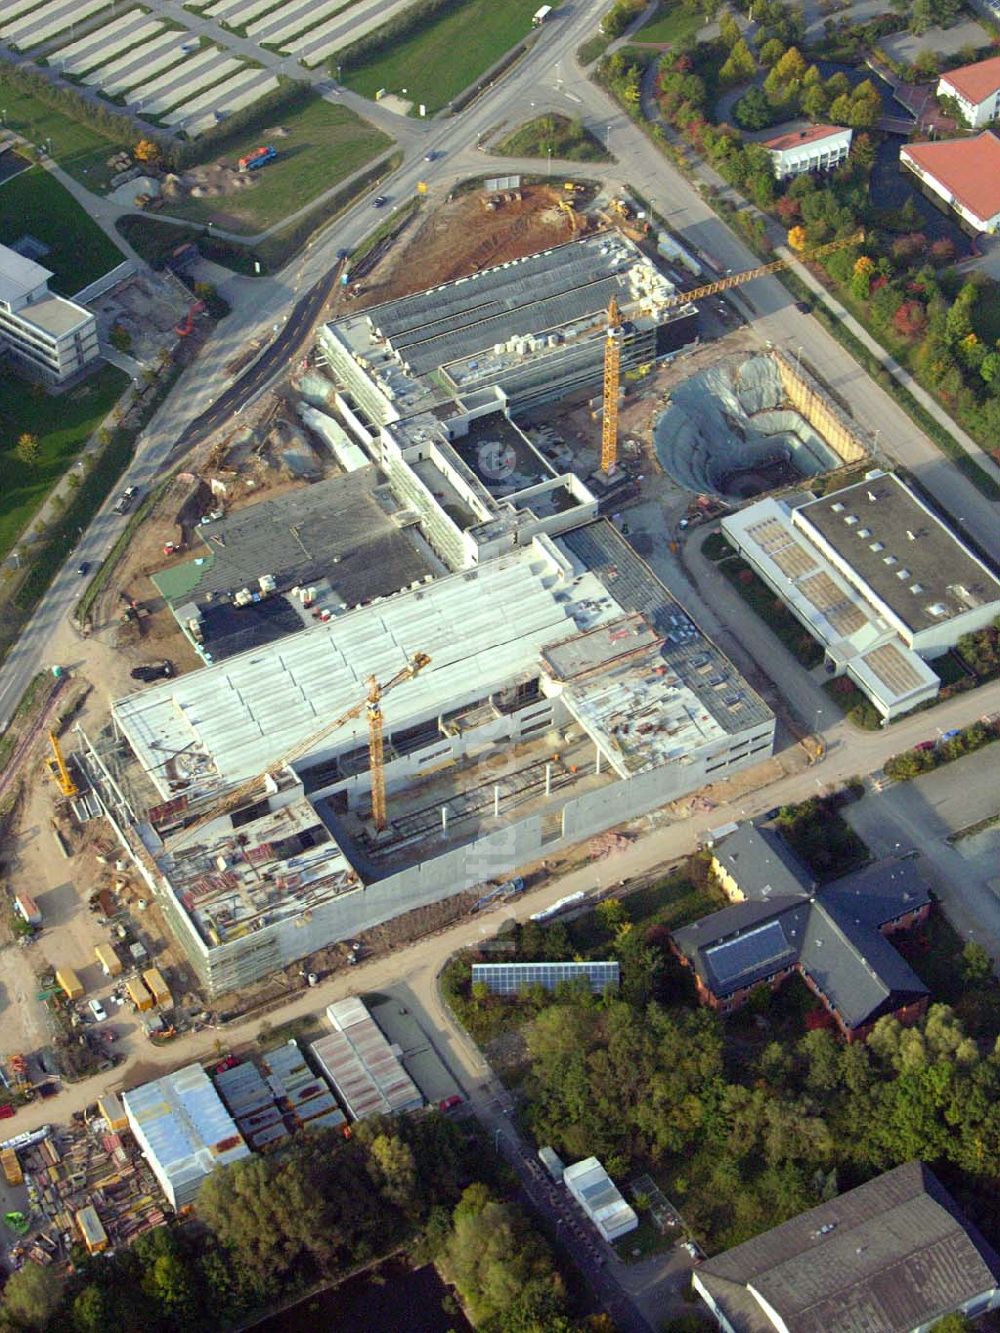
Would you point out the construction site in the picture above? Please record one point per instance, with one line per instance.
(442, 479)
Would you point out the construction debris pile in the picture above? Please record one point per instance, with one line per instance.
(85, 1182)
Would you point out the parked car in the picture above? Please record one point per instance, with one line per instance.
(98, 1010)
(450, 1103)
(153, 671)
(6, 1111)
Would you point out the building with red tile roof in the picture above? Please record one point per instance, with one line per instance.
(976, 89)
(965, 173)
(801, 148)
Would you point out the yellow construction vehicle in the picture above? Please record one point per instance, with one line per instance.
(612, 347)
(371, 704)
(566, 207)
(58, 771)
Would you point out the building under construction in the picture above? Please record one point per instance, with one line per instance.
(566, 691)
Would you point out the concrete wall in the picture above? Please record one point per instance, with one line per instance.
(820, 413)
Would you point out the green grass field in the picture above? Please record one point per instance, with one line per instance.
(63, 423)
(436, 63)
(35, 204)
(78, 148)
(670, 23)
(565, 138)
(324, 144)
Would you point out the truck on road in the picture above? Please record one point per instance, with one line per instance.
(126, 500)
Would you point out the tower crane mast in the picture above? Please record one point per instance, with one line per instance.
(371, 705)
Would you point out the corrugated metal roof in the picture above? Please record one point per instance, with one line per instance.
(361, 1065)
(185, 1130)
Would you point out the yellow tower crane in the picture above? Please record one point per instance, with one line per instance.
(60, 773)
(372, 704)
(612, 347)
(612, 369)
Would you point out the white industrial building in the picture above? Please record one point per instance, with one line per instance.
(976, 89)
(797, 149)
(567, 691)
(876, 578)
(963, 173)
(184, 1131)
(598, 1196)
(50, 336)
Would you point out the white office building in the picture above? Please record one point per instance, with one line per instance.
(798, 149)
(976, 89)
(51, 337)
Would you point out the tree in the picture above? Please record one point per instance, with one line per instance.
(396, 1169)
(815, 102)
(729, 31)
(612, 914)
(771, 52)
(791, 68)
(753, 111)
(840, 110)
(910, 320)
(977, 966)
(147, 150)
(740, 65)
(32, 1295)
(952, 1323)
(26, 449)
(797, 238)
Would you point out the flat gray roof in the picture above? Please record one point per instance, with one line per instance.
(18, 274)
(55, 315)
(911, 561)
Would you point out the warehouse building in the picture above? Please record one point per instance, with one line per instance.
(894, 1255)
(365, 1070)
(566, 691)
(50, 337)
(184, 1131)
(598, 1196)
(875, 577)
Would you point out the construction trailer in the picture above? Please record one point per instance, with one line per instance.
(11, 1167)
(158, 987)
(27, 908)
(139, 994)
(113, 1112)
(111, 964)
(72, 986)
(91, 1229)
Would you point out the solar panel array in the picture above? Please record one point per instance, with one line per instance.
(511, 978)
(749, 952)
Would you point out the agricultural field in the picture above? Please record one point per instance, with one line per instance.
(319, 145)
(445, 54)
(35, 204)
(63, 423)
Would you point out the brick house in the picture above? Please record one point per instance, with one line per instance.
(835, 937)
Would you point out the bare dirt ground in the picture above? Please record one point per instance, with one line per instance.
(463, 236)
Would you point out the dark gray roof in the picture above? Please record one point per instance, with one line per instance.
(743, 944)
(833, 934)
(855, 967)
(879, 893)
(762, 864)
(720, 689)
(887, 1257)
(880, 530)
(334, 528)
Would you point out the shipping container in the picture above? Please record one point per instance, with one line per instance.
(28, 909)
(94, 1236)
(11, 1167)
(552, 1162)
(71, 984)
(113, 1112)
(158, 987)
(138, 994)
(111, 964)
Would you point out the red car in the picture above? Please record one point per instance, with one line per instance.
(450, 1103)
(6, 1111)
